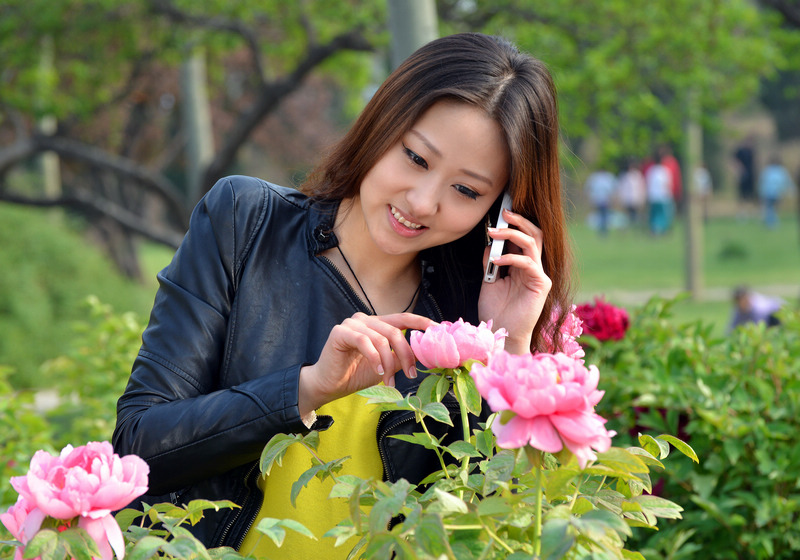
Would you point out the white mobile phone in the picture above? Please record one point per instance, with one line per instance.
(497, 244)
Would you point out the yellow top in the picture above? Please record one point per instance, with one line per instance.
(352, 434)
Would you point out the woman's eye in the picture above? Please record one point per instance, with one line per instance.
(415, 158)
(466, 191)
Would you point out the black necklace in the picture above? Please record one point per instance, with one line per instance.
(363, 291)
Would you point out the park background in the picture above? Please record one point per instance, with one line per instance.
(116, 116)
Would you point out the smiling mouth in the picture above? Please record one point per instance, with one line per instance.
(399, 217)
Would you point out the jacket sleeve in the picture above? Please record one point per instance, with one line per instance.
(175, 413)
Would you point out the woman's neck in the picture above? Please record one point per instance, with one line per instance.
(389, 281)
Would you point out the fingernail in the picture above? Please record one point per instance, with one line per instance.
(412, 373)
(380, 370)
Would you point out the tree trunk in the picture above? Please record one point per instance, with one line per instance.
(412, 23)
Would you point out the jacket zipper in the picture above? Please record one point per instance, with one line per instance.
(233, 520)
(338, 271)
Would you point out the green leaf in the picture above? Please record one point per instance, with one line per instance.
(381, 394)
(427, 388)
(432, 538)
(275, 449)
(78, 544)
(468, 393)
(303, 481)
(681, 446)
(632, 555)
(607, 519)
(582, 506)
(557, 539)
(438, 412)
(297, 527)
(485, 441)
(185, 547)
(657, 448)
(622, 460)
(126, 517)
(442, 387)
(44, 543)
(195, 508)
(342, 532)
(557, 483)
(146, 547)
(460, 449)
(659, 507)
(494, 505)
(447, 503)
(419, 438)
(270, 527)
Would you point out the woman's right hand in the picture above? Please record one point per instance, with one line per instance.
(360, 352)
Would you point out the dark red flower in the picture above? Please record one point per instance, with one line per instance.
(603, 320)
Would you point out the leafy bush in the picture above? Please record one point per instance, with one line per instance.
(93, 374)
(736, 399)
(47, 269)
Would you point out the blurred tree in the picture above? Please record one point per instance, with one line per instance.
(780, 94)
(114, 92)
(624, 68)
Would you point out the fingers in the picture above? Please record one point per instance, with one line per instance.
(527, 238)
(381, 341)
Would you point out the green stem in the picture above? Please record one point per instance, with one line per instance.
(462, 406)
(537, 527)
(435, 449)
(499, 541)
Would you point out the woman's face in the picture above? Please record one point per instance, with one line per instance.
(437, 182)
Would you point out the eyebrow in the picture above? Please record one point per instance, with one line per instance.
(433, 149)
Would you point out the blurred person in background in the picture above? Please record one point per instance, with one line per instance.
(703, 188)
(774, 182)
(659, 198)
(752, 307)
(745, 158)
(600, 186)
(676, 181)
(632, 192)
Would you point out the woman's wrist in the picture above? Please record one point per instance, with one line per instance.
(518, 346)
(307, 395)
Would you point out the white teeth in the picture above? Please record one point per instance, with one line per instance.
(402, 220)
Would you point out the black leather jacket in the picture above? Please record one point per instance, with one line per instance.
(244, 304)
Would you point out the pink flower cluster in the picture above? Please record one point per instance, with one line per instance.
(552, 398)
(571, 329)
(603, 320)
(88, 483)
(450, 345)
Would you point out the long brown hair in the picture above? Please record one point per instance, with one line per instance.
(513, 88)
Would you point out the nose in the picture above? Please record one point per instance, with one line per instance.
(423, 199)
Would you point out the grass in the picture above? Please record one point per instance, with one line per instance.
(627, 266)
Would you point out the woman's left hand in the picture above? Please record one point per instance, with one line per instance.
(515, 300)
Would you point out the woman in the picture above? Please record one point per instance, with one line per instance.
(281, 304)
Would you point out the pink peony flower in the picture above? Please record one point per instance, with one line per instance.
(88, 482)
(450, 345)
(22, 520)
(552, 398)
(603, 320)
(571, 329)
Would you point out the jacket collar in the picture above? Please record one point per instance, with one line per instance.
(321, 219)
